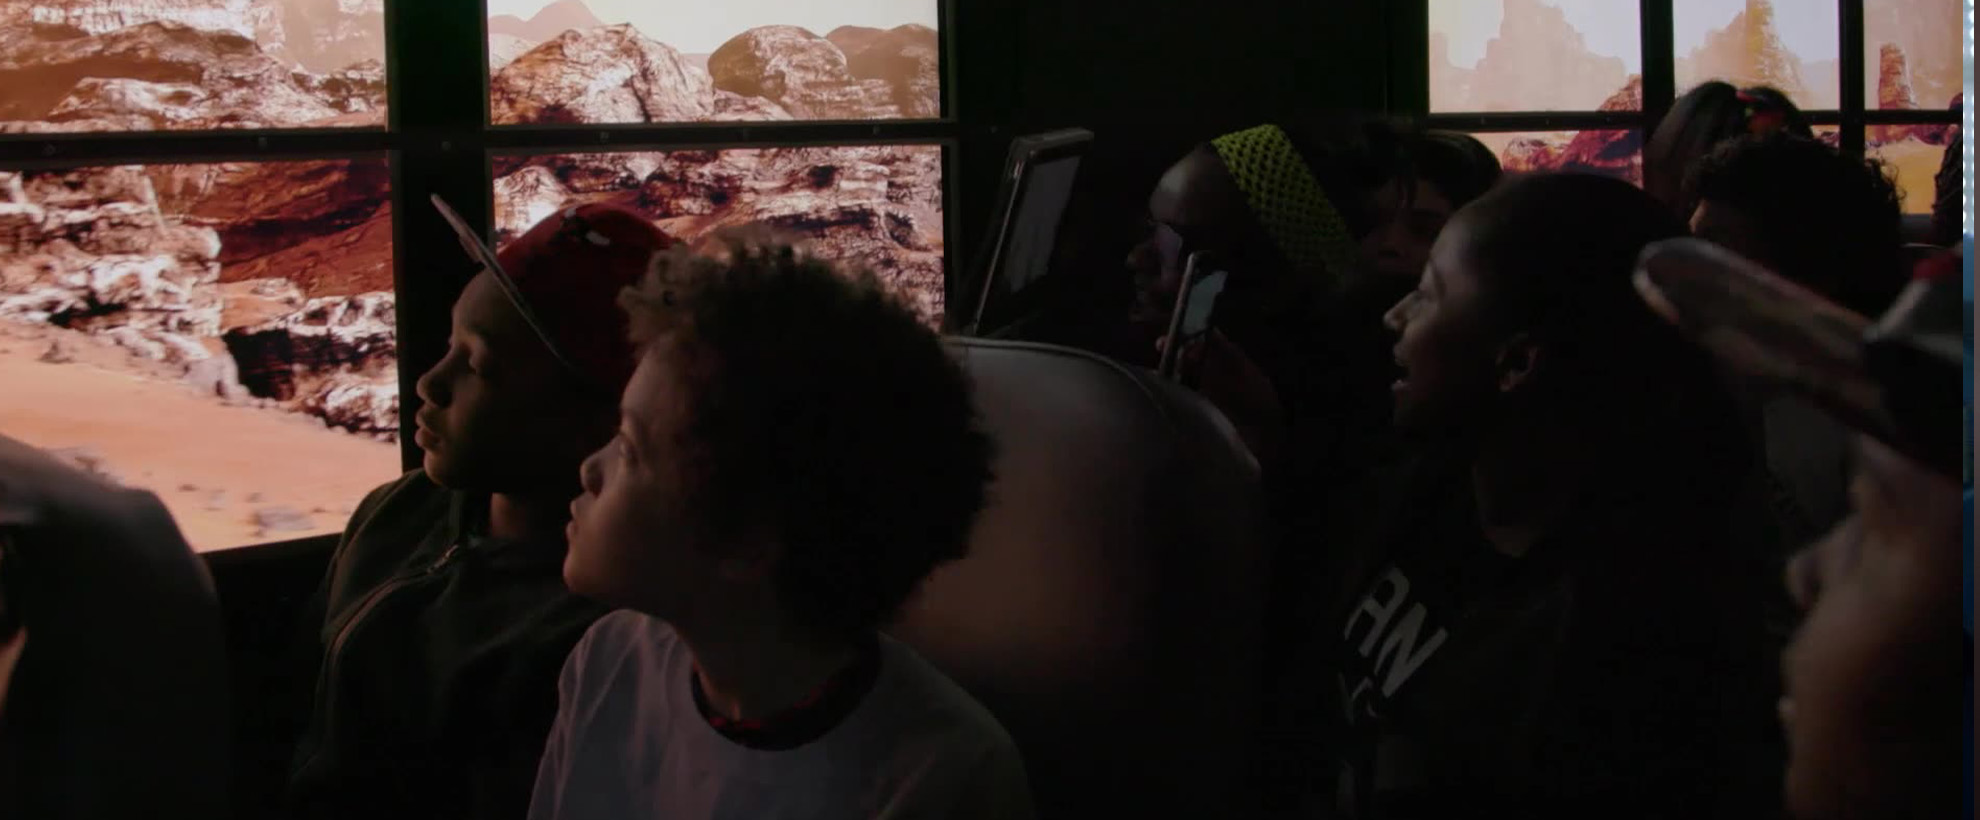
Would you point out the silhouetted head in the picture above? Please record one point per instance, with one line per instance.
(796, 445)
(1703, 117)
(1435, 174)
(519, 400)
(1825, 220)
(1527, 306)
(1387, 188)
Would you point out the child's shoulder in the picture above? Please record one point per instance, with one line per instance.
(625, 635)
(395, 522)
(625, 626)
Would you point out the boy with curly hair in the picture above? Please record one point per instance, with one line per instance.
(796, 452)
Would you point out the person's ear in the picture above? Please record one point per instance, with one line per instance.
(1518, 362)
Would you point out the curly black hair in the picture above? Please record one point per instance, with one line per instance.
(819, 406)
(1830, 221)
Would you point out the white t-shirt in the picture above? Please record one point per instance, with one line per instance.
(630, 744)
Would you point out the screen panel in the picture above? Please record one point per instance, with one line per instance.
(1913, 53)
(219, 334)
(99, 65)
(1614, 153)
(1912, 155)
(1532, 55)
(879, 206)
(632, 61)
(1788, 45)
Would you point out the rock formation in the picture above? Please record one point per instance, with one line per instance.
(165, 75)
(135, 257)
(1535, 40)
(1615, 153)
(802, 72)
(1749, 51)
(327, 219)
(90, 250)
(878, 206)
(852, 40)
(600, 75)
(1610, 153)
(1929, 33)
(317, 36)
(908, 59)
(1894, 79)
(359, 404)
(1768, 61)
(331, 342)
(613, 75)
(1894, 92)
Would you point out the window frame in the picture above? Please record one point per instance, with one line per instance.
(438, 140)
(1409, 86)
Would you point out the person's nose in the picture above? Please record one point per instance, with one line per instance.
(591, 471)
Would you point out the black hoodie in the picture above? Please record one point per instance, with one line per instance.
(440, 650)
(1612, 671)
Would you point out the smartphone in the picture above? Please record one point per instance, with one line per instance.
(1189, 320)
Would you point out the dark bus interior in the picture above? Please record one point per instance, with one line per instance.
(1122, 610)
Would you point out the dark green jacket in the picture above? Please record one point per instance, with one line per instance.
(439, 654)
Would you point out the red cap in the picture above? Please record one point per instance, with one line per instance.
(564, 276)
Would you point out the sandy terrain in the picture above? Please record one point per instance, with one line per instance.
(232, 475)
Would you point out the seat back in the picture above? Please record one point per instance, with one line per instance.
(120, 705)
(1110, 610)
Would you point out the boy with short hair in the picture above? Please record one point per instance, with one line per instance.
(443, 618)
(796, 453)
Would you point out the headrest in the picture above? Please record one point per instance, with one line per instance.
(119, 707)
(1108, 611)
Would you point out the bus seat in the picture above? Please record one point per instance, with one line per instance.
(1915, 228)
(119, 707)
(1110, 610)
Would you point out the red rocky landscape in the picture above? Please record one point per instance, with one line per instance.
(221, 333)
(878, 207)
(564, 66)
(1536, 39)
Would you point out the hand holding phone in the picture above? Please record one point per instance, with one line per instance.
(1189, 320)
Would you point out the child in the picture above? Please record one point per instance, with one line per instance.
(1880, 673)
(1538, 624)
(1829, 221)
(444, 618)
(1711, 113)
(796, 453)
